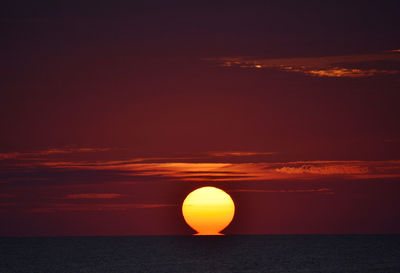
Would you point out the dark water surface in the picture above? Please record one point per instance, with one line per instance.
(291, 253)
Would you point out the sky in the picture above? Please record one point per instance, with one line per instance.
(111, 113)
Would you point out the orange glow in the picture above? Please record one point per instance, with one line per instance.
(208, 210)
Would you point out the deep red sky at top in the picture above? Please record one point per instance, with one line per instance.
(112, 113)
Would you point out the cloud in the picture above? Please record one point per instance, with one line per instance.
(325, 169)
(338, 72)
(240, 153)
(230, 171)
(346, 66)
(93, 196)
(180, 170)
(320, 190)
(227, 168)
(13, 155)
(96, 207)
(31, 155)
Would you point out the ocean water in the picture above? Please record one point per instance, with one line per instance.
(287, 253)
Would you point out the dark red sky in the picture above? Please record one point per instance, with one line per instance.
(112, 113)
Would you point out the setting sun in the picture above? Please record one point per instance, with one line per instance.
(208, 210)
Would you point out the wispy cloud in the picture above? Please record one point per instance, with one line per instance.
(320, 190)
(212, 166)
(346, 66)
(338, 72)
(96, 207)
(47, 152)
(240, 153)
(325, 169)
(93, 196)
(229, 171)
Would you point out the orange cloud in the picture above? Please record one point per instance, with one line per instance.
(325, 169)
(327, 66)
(175, 168)
(244, 171)
(338, 72)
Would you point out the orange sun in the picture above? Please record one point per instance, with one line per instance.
(208, 210)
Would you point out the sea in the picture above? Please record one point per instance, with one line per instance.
(190, 254)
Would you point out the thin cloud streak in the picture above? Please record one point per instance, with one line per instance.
(338, 72)
(42, 154)
(240, 153)
(96, 207)
(320, 190)
(93, 196)
(31, 155)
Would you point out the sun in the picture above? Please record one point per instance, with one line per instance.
(208, 210)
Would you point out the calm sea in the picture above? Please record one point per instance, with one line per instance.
(291, 253)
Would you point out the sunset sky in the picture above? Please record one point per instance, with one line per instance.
(111, 113)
